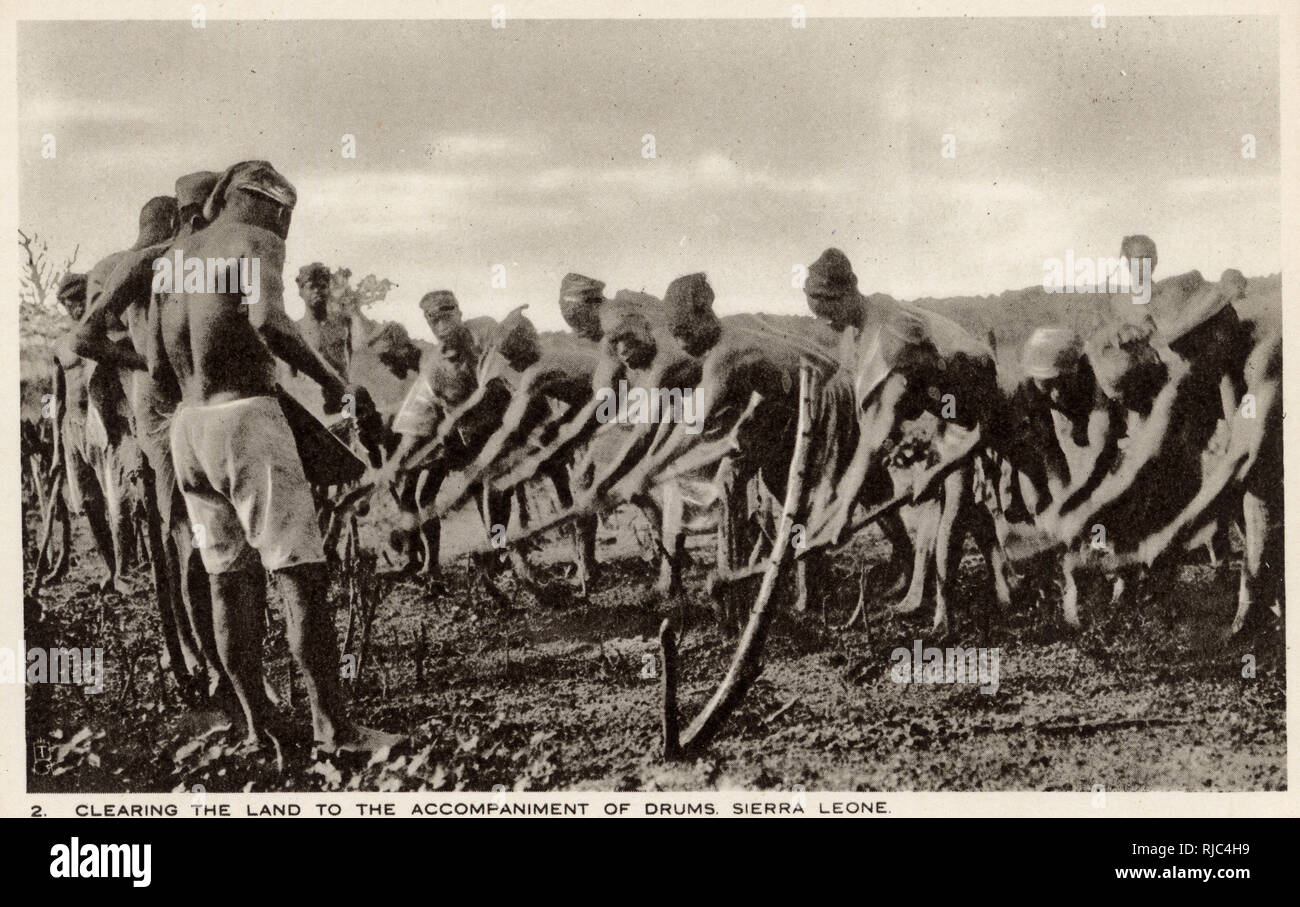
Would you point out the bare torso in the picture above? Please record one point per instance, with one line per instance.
(211, 340)
(332, 338)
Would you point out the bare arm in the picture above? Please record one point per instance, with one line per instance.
(1228, 397)
(715, 388)
(666, 443)
(628, 456)
(514, 429)
(267, 314)
(129, 281)
(1144, 448)
(282, 336)
(1104, 439)
(576, 427)
(91, 340)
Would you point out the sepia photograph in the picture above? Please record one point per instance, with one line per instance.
(769, 406)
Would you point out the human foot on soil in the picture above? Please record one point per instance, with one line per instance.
(359, 739)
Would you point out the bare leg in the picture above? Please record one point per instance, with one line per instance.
(499, 505)
(674, 541)
(315, 650)
(64, 521)
(430, 530)
(983, 526)
(584, 533)
(947, 545)
(1255, 526)
(238, 600)
(1070, 563)
(812, 575)
(732, 534)
(585, 541)
(927, 532)
(111, 481)
(410, 534)
(181, 647)
(196, 598)
(901, 553)
(95, 507)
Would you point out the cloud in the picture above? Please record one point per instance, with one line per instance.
(976, 114)
(709, 172)
(1224, 185)
(475, 146)
(63, 111)
(391, 203)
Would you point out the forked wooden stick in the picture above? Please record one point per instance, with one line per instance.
(47, 528)
(745, 664)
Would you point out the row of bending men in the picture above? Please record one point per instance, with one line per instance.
(1115, 429)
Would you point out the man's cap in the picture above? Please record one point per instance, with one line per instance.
(312, 272)
(831, 273)
(157, 219)
(578, 288)
(438, 302)
(194, 188)
(517, 336)
(258, 177)
(1049, 351)
(1233, 283)
(687, 299)
(72, 286)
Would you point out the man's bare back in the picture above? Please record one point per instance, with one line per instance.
(212, 339)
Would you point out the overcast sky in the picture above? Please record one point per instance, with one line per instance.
(523, 147)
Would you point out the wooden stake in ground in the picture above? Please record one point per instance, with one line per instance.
(745, 664)
(668, 655)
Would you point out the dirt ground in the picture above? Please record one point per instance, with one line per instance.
(565, 694)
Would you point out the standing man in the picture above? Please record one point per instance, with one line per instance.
(86, 407)
(126, 301)
(70, 376)
(236, 458)
(330, 333)
(582, 305)
(114, 430)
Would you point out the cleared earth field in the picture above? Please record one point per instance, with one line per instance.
(565, 694)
